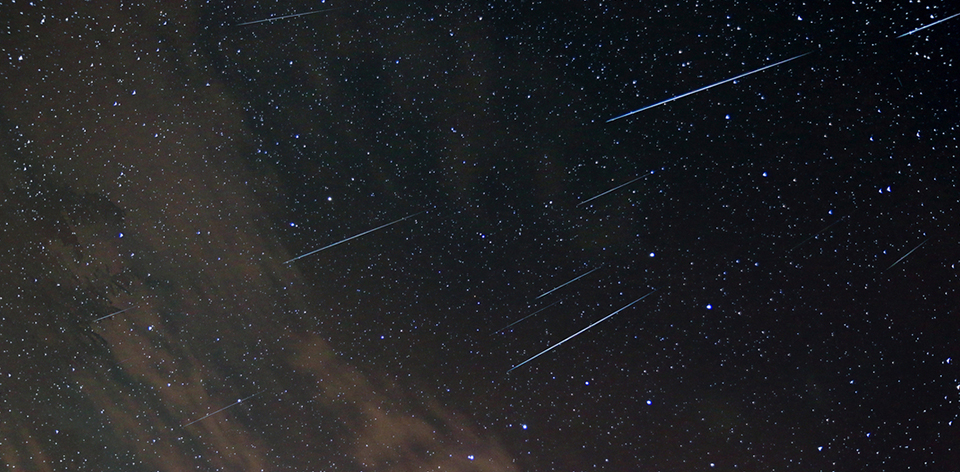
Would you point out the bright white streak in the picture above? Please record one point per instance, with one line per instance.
(601, 320)
(224, 408)
(907, 254)
(353, 237)
(285, 17)
(927, 26)
(114, 313)
(615, 188)
(565, 284)
(678, 97)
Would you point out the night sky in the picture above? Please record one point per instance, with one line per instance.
(795, 233)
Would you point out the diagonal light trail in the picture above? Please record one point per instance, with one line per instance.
(284, 17)
(601, 320)
(927, 26)
(224, 408)
(548, 292)
(525, 317)
(831, 225)
(907, 254)
(353, 237)
(115, 313)
(615, 188)
(678, 97)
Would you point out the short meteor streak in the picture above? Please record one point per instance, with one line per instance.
(615, 188)
(817, 233)
(927, 26)
(601, 320)
(114, 313)
(565, 284)
(224, 408)
(285, 17)
(678, 97)
(353, 237)
(525, 317)
(907, 254)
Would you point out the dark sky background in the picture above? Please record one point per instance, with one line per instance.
(161, 159)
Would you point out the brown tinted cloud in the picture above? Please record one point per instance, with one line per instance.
(125, 185)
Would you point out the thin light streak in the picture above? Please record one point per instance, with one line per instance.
(907, 254)
(224, 408)
(548, 292)
(115, 313)
(817, 233)
(601, 320)
(678, 97)
(615, 188)
(525, 317)
(353, 237)
(285, 17)
(927, 26)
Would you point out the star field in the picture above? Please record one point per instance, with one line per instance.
(479, 236)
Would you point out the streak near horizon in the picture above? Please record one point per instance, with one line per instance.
(615, 188)
(927, 26)
(224, 408)
(353, 237)
(907, 254)
(601, 320)
(566, 283)
(285, 17)
(707, 87)
(115, 313)
(525, 317)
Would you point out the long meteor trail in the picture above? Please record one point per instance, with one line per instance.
(548, 292)
(353, 237)
(284, 17)
(224, 408)
(907, 254)
(678, 97)
(525, 317)
(615, 188)
(601, 320)
(927, 26)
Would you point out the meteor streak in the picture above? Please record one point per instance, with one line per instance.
(817, 233)
(601, 320)
(224, 408)
(353, 237)
(907, 254)
(525, 317)
(114, 313)
(285, 17)
(927, 26)
(615, 188)
(678, 97)
(565, 284)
